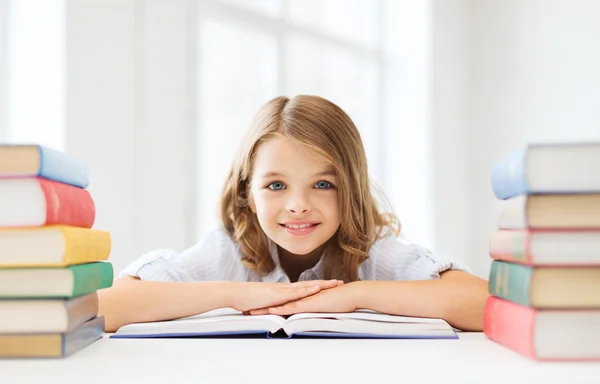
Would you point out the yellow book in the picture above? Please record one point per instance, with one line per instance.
(52, 246)
(52, 344)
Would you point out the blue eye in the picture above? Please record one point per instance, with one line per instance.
(323, 185)
(276, 186)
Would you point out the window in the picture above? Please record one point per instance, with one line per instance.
(3, 74)
(229, 93)
(343, 50)
(36, 72)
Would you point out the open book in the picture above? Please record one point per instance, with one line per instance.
(229, 322)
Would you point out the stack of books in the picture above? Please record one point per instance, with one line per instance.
(51, 260)
(545, 277)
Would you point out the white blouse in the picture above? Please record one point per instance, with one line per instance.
(218, 257)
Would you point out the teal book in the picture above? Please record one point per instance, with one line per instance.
(556, 287)
(65, 282)
(37, 160)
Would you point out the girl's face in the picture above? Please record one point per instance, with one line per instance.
(294, 195)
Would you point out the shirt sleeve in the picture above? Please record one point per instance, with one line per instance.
(217, 257)
(399, 259)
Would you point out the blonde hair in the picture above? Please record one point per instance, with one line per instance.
(325, 128)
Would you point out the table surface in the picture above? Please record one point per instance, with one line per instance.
(471, 358)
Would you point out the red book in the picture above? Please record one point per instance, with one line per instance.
(548, 247)
(35, 201)
(543, 334)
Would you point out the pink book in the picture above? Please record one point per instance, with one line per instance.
(565, 247)
(542, 334)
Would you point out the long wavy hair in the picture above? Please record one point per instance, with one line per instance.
(323, 127)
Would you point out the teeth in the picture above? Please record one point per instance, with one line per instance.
(300, 226)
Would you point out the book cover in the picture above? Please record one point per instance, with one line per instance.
(227, 322)
(52, 246)
(509, 176)
(46, 315)
(35, 201)
(545, 287)
(63, 282)
(543, 334)
(575, 169)
(565, 211)
(549, 247)
(43, 345)
(37, 160)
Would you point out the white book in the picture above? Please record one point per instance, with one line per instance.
(229, 322)
(561, 211)
(24, 316)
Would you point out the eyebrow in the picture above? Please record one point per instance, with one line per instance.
(279, 174)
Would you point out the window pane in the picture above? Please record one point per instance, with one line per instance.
(3, 85)
(355, 20)
(237, 73)
(341, 76)
(408, 115)
(268, 7)
(36, 72)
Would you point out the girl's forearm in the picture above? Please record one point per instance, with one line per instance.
(458, 301)
(134, 301)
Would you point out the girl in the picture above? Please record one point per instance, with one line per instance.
(301, 233)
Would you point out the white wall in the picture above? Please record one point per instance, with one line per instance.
(35, 64)
(131, 115)
(507, 72)
(452, 68)
(3, 71)
(536, 78)
(504, 73)
(128, 116)
(406, 143)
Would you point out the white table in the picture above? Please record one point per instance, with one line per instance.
(472, 358)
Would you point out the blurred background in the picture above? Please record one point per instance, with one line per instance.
(155, 94)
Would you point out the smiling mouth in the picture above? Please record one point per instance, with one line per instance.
(299, 226)
(300, 229)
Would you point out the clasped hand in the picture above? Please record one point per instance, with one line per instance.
(290, 298)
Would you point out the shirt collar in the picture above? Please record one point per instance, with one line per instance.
(278, 274)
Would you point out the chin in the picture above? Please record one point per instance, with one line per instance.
(298, 250)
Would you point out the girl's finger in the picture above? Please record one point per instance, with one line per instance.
(321, 283)
(260, 311)
(302, 292)
(286, 309)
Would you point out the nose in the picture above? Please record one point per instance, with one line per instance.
(298, 203)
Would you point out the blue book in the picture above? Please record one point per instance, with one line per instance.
(229, 323)
(40, 161)
(550, 168)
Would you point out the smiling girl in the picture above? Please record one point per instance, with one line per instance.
(301, 232)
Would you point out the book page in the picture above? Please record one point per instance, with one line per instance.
(365, 314)
(366, 327)
(230, 314)
(219, 321)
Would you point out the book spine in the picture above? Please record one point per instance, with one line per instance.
(67, 204)
(514, 213)
(91, 277)
(81, 309)
(511, 282)
(511, 245)
(510, 325)
(83, 245)
(83, 336)
(509, 176)
(59, 166)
